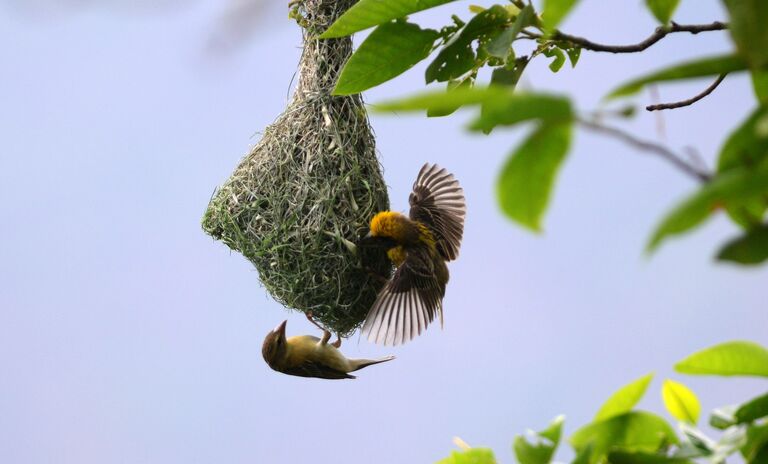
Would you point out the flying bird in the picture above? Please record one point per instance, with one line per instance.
(309, 356)
(419, 245)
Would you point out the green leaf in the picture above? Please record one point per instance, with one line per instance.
(505, 77)
(726, 359)
(756, 448)
(528, 176)
(750, 248)
(680, 401)
(635, 431)
(748, 214)
(509, 77)
(455, 59)
(760, 456)
(662, 9)
(639, 457)
(559, 60)
(390, 50)
(514, 108)
(703, 67)
(501, 105)
(747, 26)
(470, 456)
(544, 447)
(457, 56)
(573, 54)
(748, 144)
(443, 101)
(554, 430)
(555, 11)
(500, 46)
(369, 13)
(752, 410)
(624, 399)
(452, 86)
(584, 455)
(730, 189)
(760, 84)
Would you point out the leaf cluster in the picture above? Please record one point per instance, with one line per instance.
(505, 38)
(621, 434)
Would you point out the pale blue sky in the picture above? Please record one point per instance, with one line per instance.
(129, 336)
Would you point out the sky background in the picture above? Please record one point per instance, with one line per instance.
(129, 336)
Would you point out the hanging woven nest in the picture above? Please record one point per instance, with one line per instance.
(303, 196)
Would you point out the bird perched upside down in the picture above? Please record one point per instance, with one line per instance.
(308, 356)
(419, 245)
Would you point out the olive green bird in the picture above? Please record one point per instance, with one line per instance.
(308, 356)
(419, 245)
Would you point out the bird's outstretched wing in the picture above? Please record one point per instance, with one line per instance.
(408, 302)
(438, 202)
(314, 369)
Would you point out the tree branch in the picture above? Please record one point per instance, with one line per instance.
(658, 34)
(660, 150)
(690, 101)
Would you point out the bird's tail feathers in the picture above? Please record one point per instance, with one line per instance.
(361, 363)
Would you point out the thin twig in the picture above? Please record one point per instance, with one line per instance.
(658, 34)
(690, 101)
(661, 150)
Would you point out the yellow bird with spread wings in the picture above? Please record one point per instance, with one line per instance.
(419, 245)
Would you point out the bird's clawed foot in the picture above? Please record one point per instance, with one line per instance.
(327, 336)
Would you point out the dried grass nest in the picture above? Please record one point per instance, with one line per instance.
(298, 202)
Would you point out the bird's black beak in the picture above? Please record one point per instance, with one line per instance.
(365, 240)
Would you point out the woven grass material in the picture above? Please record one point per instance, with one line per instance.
(304, 195)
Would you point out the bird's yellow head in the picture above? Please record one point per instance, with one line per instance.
(389, 224)
(274, 348)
